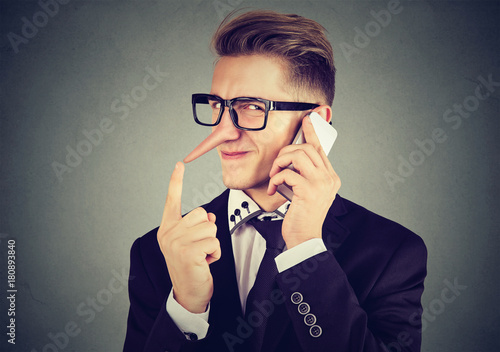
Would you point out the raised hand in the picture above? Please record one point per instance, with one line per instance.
(189, 245)
(314, 184)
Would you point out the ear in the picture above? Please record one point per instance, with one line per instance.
(325, 111)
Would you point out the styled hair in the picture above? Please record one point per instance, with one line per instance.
(298, 42)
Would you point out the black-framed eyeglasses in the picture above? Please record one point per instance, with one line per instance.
(248, 114)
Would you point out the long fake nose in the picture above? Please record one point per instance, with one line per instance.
(224, 131)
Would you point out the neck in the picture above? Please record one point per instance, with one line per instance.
(266, 202)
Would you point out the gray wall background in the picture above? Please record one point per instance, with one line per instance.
(73, 234)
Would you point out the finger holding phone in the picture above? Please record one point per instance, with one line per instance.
(311, 178)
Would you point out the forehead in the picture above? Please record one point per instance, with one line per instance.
(254, 76)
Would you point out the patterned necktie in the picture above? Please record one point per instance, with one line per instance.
(266, 277)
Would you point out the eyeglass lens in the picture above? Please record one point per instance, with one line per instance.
(249, 113)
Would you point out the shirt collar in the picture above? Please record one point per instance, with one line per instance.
(242, 208)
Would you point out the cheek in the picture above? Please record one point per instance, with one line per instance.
(271, 140)
(277, 134)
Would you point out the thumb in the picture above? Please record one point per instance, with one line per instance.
(211, 217)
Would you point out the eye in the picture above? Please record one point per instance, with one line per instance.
(253, 107)
(215, 104)
(249, 106)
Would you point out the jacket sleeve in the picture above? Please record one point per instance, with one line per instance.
(377, 309)
(149, 327)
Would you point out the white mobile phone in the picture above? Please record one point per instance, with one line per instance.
(326, 135)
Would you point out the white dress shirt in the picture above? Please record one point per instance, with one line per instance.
(248, 250)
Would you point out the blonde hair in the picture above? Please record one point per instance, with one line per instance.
(299, 42)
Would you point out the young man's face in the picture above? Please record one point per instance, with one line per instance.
(247, 156)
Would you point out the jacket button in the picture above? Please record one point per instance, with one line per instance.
(304, 308)
(310, 319)
(315, 331)
(297, 297)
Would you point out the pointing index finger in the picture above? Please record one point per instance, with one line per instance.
(172, 210)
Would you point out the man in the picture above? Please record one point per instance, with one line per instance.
(252, 271)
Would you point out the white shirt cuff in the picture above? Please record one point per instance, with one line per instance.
(187, 322)
(299, 253)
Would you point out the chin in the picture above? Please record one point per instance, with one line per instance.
(242, 183)
(232, 184)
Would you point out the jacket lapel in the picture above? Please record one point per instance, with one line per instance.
(277, 325)
(225, 305)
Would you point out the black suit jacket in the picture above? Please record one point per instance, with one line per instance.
(363, 294)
